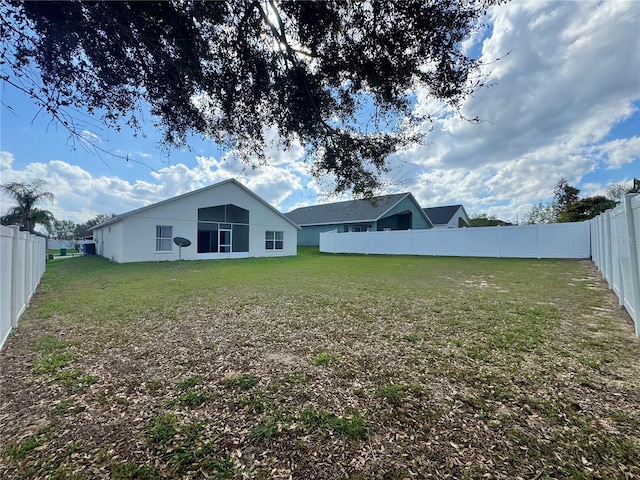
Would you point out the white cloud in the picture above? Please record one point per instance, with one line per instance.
(6, 160)
(90, 137)
(571, 74)
(619, 152)
(81, 196)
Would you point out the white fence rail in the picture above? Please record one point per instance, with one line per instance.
(22, 263)
(559, 240)
(616, 250)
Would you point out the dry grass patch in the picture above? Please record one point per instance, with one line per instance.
(321, 367)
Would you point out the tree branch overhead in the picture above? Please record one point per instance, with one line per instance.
(312, 71)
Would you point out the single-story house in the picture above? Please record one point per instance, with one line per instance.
(449, 216)
(400, 211)
(224, 220)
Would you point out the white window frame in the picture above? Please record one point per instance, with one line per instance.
(162, 240)
(274, 240)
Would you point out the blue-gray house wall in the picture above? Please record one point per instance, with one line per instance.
(418, 222)
(310, 235)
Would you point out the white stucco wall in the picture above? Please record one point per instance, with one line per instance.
(137, 232)
(109, 242)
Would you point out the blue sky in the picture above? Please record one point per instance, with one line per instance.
(564, 102)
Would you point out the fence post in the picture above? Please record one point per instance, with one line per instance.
(633, 256)
(28, 269)
(595, 241)
(15, 275)
(596, 247)
(608, 270)
(464, 241)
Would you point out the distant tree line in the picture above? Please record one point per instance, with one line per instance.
(485, 220)
(68, 230)
(567, 206)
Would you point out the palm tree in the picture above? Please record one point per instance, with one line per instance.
(27, 195)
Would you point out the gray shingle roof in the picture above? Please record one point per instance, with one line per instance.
(345, 212)
(441, 215)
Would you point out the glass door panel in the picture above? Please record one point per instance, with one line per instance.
(224, 241)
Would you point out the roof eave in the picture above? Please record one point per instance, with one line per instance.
(335, 223)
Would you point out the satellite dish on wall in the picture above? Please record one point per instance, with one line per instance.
(181, 242)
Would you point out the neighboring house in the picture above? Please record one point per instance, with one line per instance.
(449, 216)
(387, 212)
(225, 220)
(57, 244)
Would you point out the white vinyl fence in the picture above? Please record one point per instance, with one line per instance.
(22, 263)
(558, 240)
(614, 239)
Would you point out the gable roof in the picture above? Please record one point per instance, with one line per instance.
(117, 218)
(442, 215)
(350, 211)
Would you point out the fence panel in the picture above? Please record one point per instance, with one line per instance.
(446, 242)
(528, 241)
(6, 249)
(564, 240)
(617, 250)
(23, 261)
(483, 243)
(629, 265)
(634, 238)
(617, 229)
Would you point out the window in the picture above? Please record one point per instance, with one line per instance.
(223, 229)
(274, 240)
(240, 238)
(223, 213)
(164, 238)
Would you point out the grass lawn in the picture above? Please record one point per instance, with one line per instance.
(321, 367)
